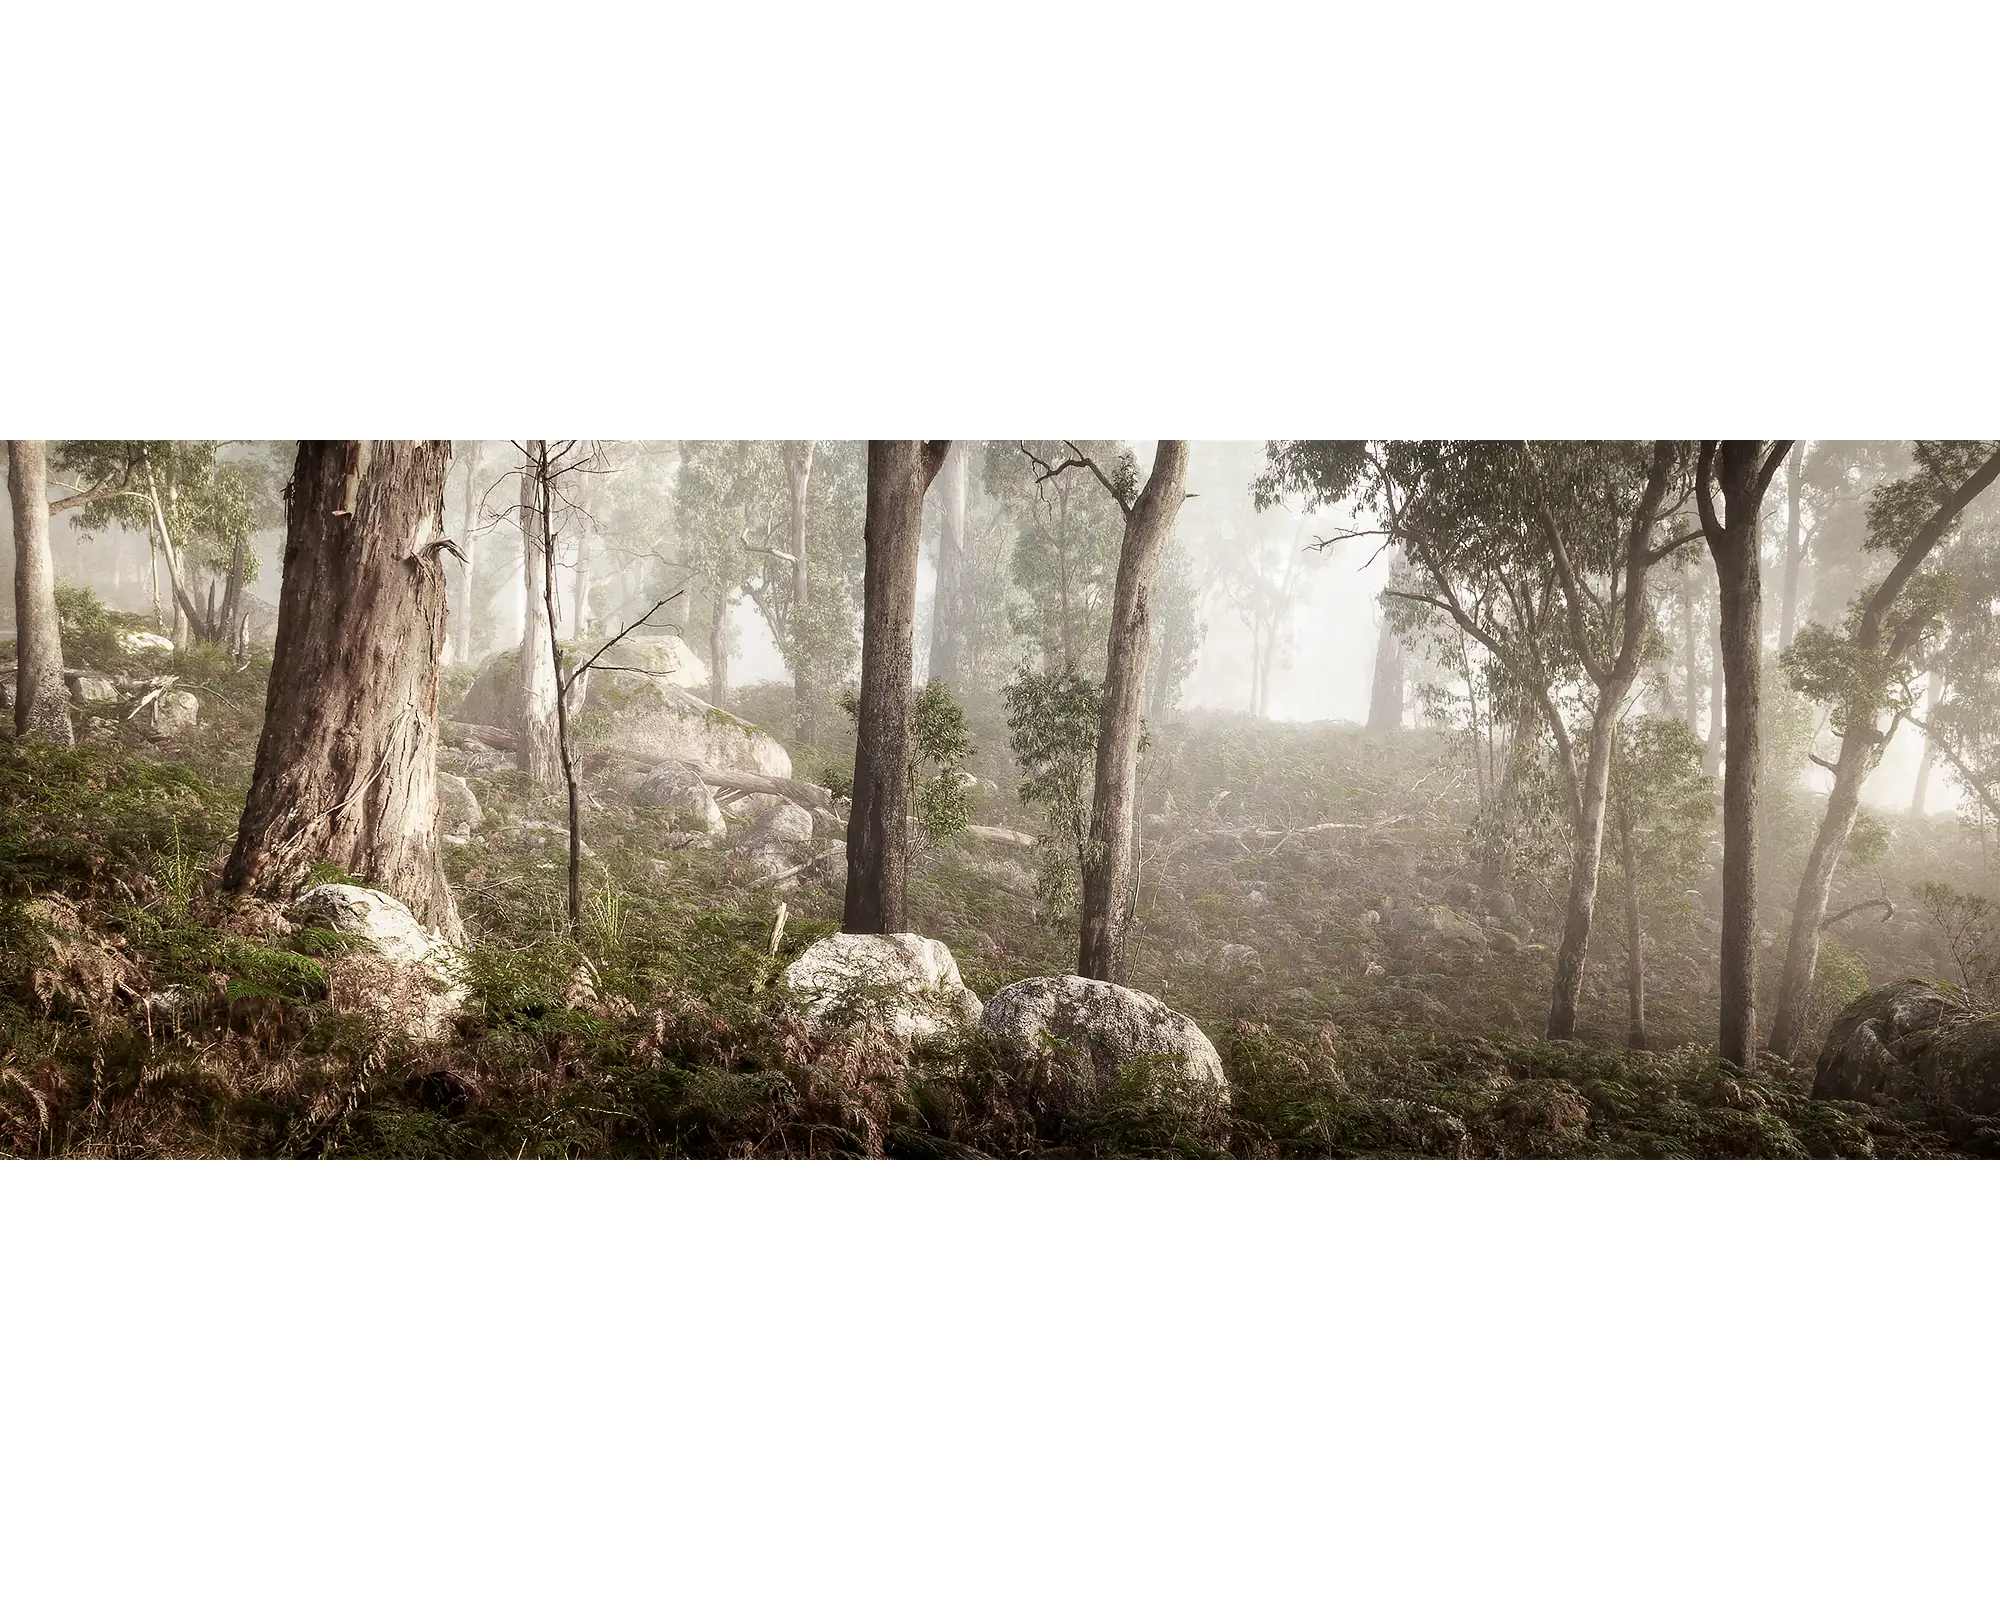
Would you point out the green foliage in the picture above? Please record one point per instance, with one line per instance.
(1052, 726)
(1965, 931)
(939, 750)
(1067, 535)
(90, 631)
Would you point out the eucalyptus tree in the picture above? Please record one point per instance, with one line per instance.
(197, 512)
(1178, 630)
(1065, 548)
(948, 599)
(1663, 810)
(1385, 683)
(1148, 510)
(1263, 571)
(539, 753)
(1542, 554)
(1861, 673)
(346, 767)
(899, 473)
(1741, 470)
(41, 704)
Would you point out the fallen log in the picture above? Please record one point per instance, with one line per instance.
(991, 835)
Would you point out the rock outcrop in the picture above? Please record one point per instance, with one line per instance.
(459, 813)
(677, 789)
(908, 984)
(170, 714)
(1089, 1033)
(1923, 1052)
(776, 835)
(397, 968)
(647, 716)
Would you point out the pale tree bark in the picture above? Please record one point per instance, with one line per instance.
(540, 755)
(1795, 549)
(1110, 856)
(1385, 693)
(1690, 658)
(1862, 742)
(347, 761)
(1933, 699)
(1711, 753)
(1635, 951)
(1613, 680)
(468, 542)
(718, 649)
(41, 706)
(947, 604)
(798, 479)
(1742, 469)
(899, 473)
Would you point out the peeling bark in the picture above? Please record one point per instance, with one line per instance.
(347, 762)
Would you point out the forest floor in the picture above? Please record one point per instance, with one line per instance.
(1366, 1001)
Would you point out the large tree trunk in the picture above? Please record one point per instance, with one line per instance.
(1385, 693)
(539, 755)
(947, 604)
(1107, 875)
(798, 479)
(1733, 546)
(1933, 699)
(347, 762)
(899, 471)
(41, 707)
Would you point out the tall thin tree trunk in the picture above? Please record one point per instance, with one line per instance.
(1585, 863)
(565, 754)
(798, 480)
(539, 755)
(41, 706)
(718, 649)
(1690, 659)
(469, 544)
(1635, 950)
(579, 626)
(1711, 755)
(1933, 699)
(1741, 471)
(233, 588)
(1795, 549)
(1108, 871)
(1385, 692)
(899, 472)
(948, 603)
(1850, 770)
(347, 761)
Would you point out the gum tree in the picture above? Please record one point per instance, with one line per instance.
(1861, 673)
(1740, 470)
(347, 761)
(899, 473)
